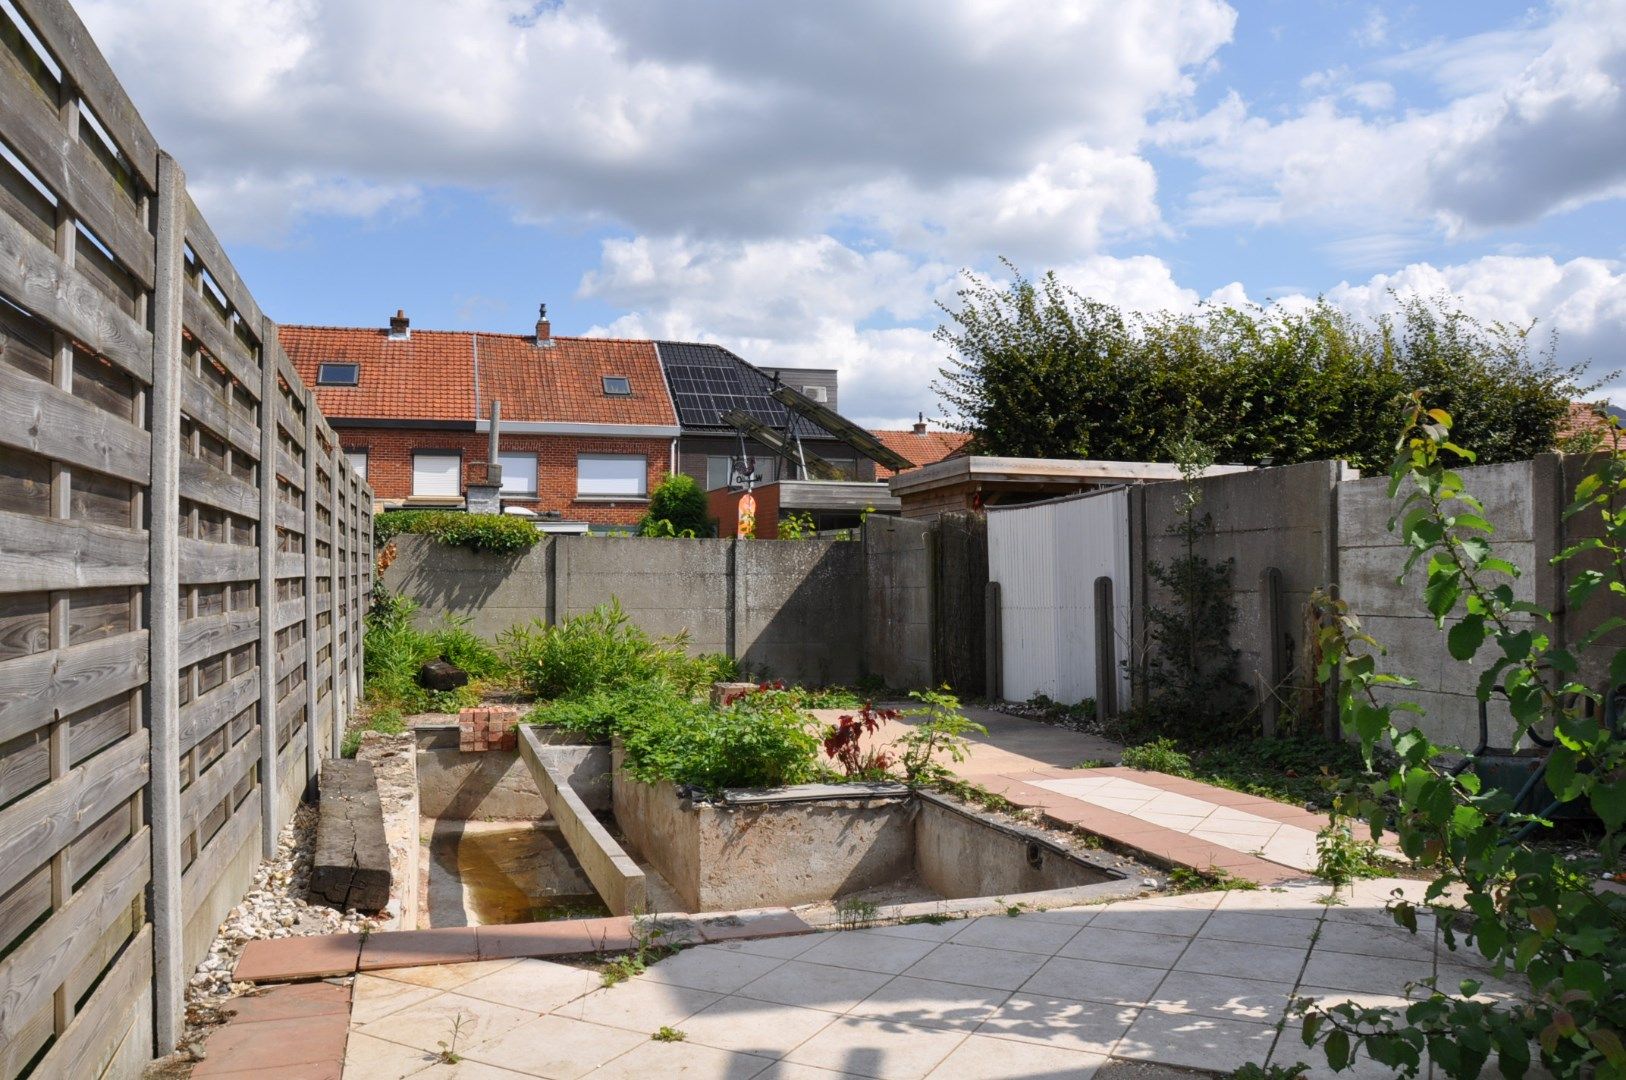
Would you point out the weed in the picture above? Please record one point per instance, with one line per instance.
(649, 944)
(1013, 910)
(1159, 755)
(668, 1034)
(975, 794)
(934, 919)
(855, 913)
(1341, 858)
(1183, 879)
(1251, 1071)
(942, 730)
(1093, 763)
(384, 719)
(844, 744)
(448, 1050)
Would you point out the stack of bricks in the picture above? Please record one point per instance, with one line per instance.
(494, 727)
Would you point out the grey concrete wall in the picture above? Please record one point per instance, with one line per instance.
(618, 880)
(797, 608)
(898, 572)
(492, 785)
(958, 856)
(1524, 502)
(786, 610)
(1283, 518)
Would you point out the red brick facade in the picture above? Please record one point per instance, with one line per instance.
(389, 466)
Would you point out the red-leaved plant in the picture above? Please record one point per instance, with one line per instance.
(845, 744)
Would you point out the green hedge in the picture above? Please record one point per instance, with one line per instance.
(481, 532)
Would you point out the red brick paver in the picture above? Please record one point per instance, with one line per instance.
(295, 1032)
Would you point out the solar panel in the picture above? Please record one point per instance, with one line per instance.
(708, 381)
(817, 466)
(842, 428)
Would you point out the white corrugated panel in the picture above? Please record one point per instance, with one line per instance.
(1046, 558)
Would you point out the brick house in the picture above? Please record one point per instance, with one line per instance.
(920, 445)
(587, 424)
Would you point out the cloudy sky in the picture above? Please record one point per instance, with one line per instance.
(805, 182)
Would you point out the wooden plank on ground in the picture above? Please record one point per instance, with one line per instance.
(351, 867)
(39, 554)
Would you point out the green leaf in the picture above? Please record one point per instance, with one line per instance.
(1583, 586)
(1609, 803)
(1441, 593)
(1465, 637)
(1338, 1050)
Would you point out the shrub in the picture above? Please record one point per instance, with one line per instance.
(601, 649)
(599, 713)
(679, 503)
(501, 533)
(1159, 755)
(758, 741)
(396, 649)
(942, 730)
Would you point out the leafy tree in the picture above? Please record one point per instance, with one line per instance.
(1038, 370)
(679, 503)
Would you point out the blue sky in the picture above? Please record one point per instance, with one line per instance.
(806, 184)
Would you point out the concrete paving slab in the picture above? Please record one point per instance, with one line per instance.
(876, 1048)
(815, 986)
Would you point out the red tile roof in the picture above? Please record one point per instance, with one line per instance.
(1585, 418)
(433, 375)
(922, 448)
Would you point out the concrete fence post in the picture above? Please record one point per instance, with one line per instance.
(163, 711)
(732, 642)
(1106, 652)
(994, 667)
(1273, 654)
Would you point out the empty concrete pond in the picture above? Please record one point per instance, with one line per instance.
(556, 831)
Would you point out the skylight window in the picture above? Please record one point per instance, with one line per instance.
(617, 385)
(338, 374)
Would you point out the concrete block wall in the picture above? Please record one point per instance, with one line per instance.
(898, 570)
(1283, 518)
(784, 610)
(1524, 501)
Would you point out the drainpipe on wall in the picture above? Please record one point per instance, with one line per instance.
(674, 467)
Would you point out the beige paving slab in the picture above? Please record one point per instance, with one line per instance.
(1089, 980)
(1243, 959)
(997, 969)
(538, 985)
(754, 1027)
(1017, 934)
(713, 968)
(556, 1047)
(1091, 1026)
(982, 1058)
(372, 998)
(442, 976)
(1195, 1041)
(1364, 974)
(426, 1024)
(931, 1003)
(1221, 995)
(369, 1058)
(874, 1048)
(639, 1005)
(681, 1061)
(865, 950)
(791, 1070)
(815, 986)
(1106, 945)
(470, 1070)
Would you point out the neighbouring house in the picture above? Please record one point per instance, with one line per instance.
(969, 482)
(920, 445)
(708, 381)
(587, 426)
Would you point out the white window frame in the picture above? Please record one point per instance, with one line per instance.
(358, 461)
(523, 470)
(456, 476)
(608, 486)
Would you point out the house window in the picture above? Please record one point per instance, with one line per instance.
(438, 474)
(617, 385)
(338, 374)
(518, 473)
(358, 461)
(612, 475)
(719, 472)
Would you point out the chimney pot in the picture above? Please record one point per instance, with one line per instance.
(400, 325)
(920, 425)
(544, 329)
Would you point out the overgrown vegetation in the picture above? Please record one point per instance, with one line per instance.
(1190, 669)
(605, 650)
(758, 740)
(396, 649)
(500, 533)
(1529, 909)
(677, 508)
(1184, 879)
(1159, 755)
(1039, 370)
(1342, 857)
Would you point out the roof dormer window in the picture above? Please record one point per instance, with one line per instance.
(338, 374)
(617, 386)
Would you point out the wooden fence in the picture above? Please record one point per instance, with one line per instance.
(185, 555)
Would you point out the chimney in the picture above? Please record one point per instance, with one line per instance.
(544, 329)
(920, 425)
(400, 326)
